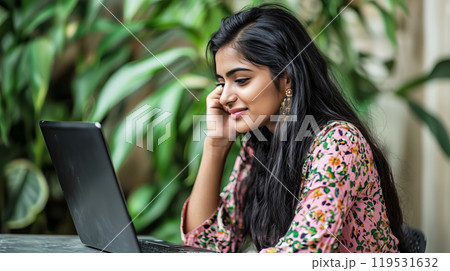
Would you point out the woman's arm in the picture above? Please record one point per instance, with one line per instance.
(204, 198)
(222, 229)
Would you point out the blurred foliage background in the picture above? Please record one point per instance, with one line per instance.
(98, 60)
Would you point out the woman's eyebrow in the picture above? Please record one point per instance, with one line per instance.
(229, 73)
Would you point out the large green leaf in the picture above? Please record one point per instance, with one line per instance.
(167, 99)
(63, 9)
(400, 3)
(131, 7)
(120, 147)
(440, 71)
(333, 7)
(350, 55)
(169, 230)
(132, 76)
(117, 38)
(12, 76)
(194, 150)
(156, 206)
(46, 14)
(140, 198)
(39, 61)
(390, 24)
(195, 15)
(87, 81)
(90, 11)
(434, 124)
(58, 32)
(3, 15)
(194, 146)
(365, 91)
(194, 81)
(169, 103)
(11, 81)
(27, 193)
(23, 17)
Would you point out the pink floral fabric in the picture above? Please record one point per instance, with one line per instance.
(340, 209)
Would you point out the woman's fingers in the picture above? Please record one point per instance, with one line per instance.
(216, 93)
(213, 98)
(216, 104)
(219, 89)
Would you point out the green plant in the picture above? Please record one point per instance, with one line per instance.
(353, 76)
(32, 33)
(97, 83)
(350, 71)
(72, 60)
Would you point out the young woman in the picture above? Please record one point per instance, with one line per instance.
(290, 191)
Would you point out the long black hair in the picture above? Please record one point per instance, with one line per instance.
(270, 35)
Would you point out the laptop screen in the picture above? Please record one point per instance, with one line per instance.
(90, 185)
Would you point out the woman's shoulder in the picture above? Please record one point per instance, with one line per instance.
(342, 133)
(333, 126)
(334, 130)
(338, 141)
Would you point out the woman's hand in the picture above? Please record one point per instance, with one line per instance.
(221, 127)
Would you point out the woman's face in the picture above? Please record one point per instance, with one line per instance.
(247, 89)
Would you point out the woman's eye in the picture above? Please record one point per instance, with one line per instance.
(241, 81)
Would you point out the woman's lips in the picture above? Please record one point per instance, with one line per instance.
(237, 114)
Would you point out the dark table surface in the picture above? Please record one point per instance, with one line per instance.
(19, 243)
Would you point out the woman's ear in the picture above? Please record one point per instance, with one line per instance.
(288, 78)
(285, 81)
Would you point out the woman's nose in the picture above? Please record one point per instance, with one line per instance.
(228, 96)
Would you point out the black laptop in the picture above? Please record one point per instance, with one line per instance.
(92, 192)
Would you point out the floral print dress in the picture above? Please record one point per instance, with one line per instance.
(341, 206)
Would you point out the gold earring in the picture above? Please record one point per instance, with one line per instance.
(285, 107)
